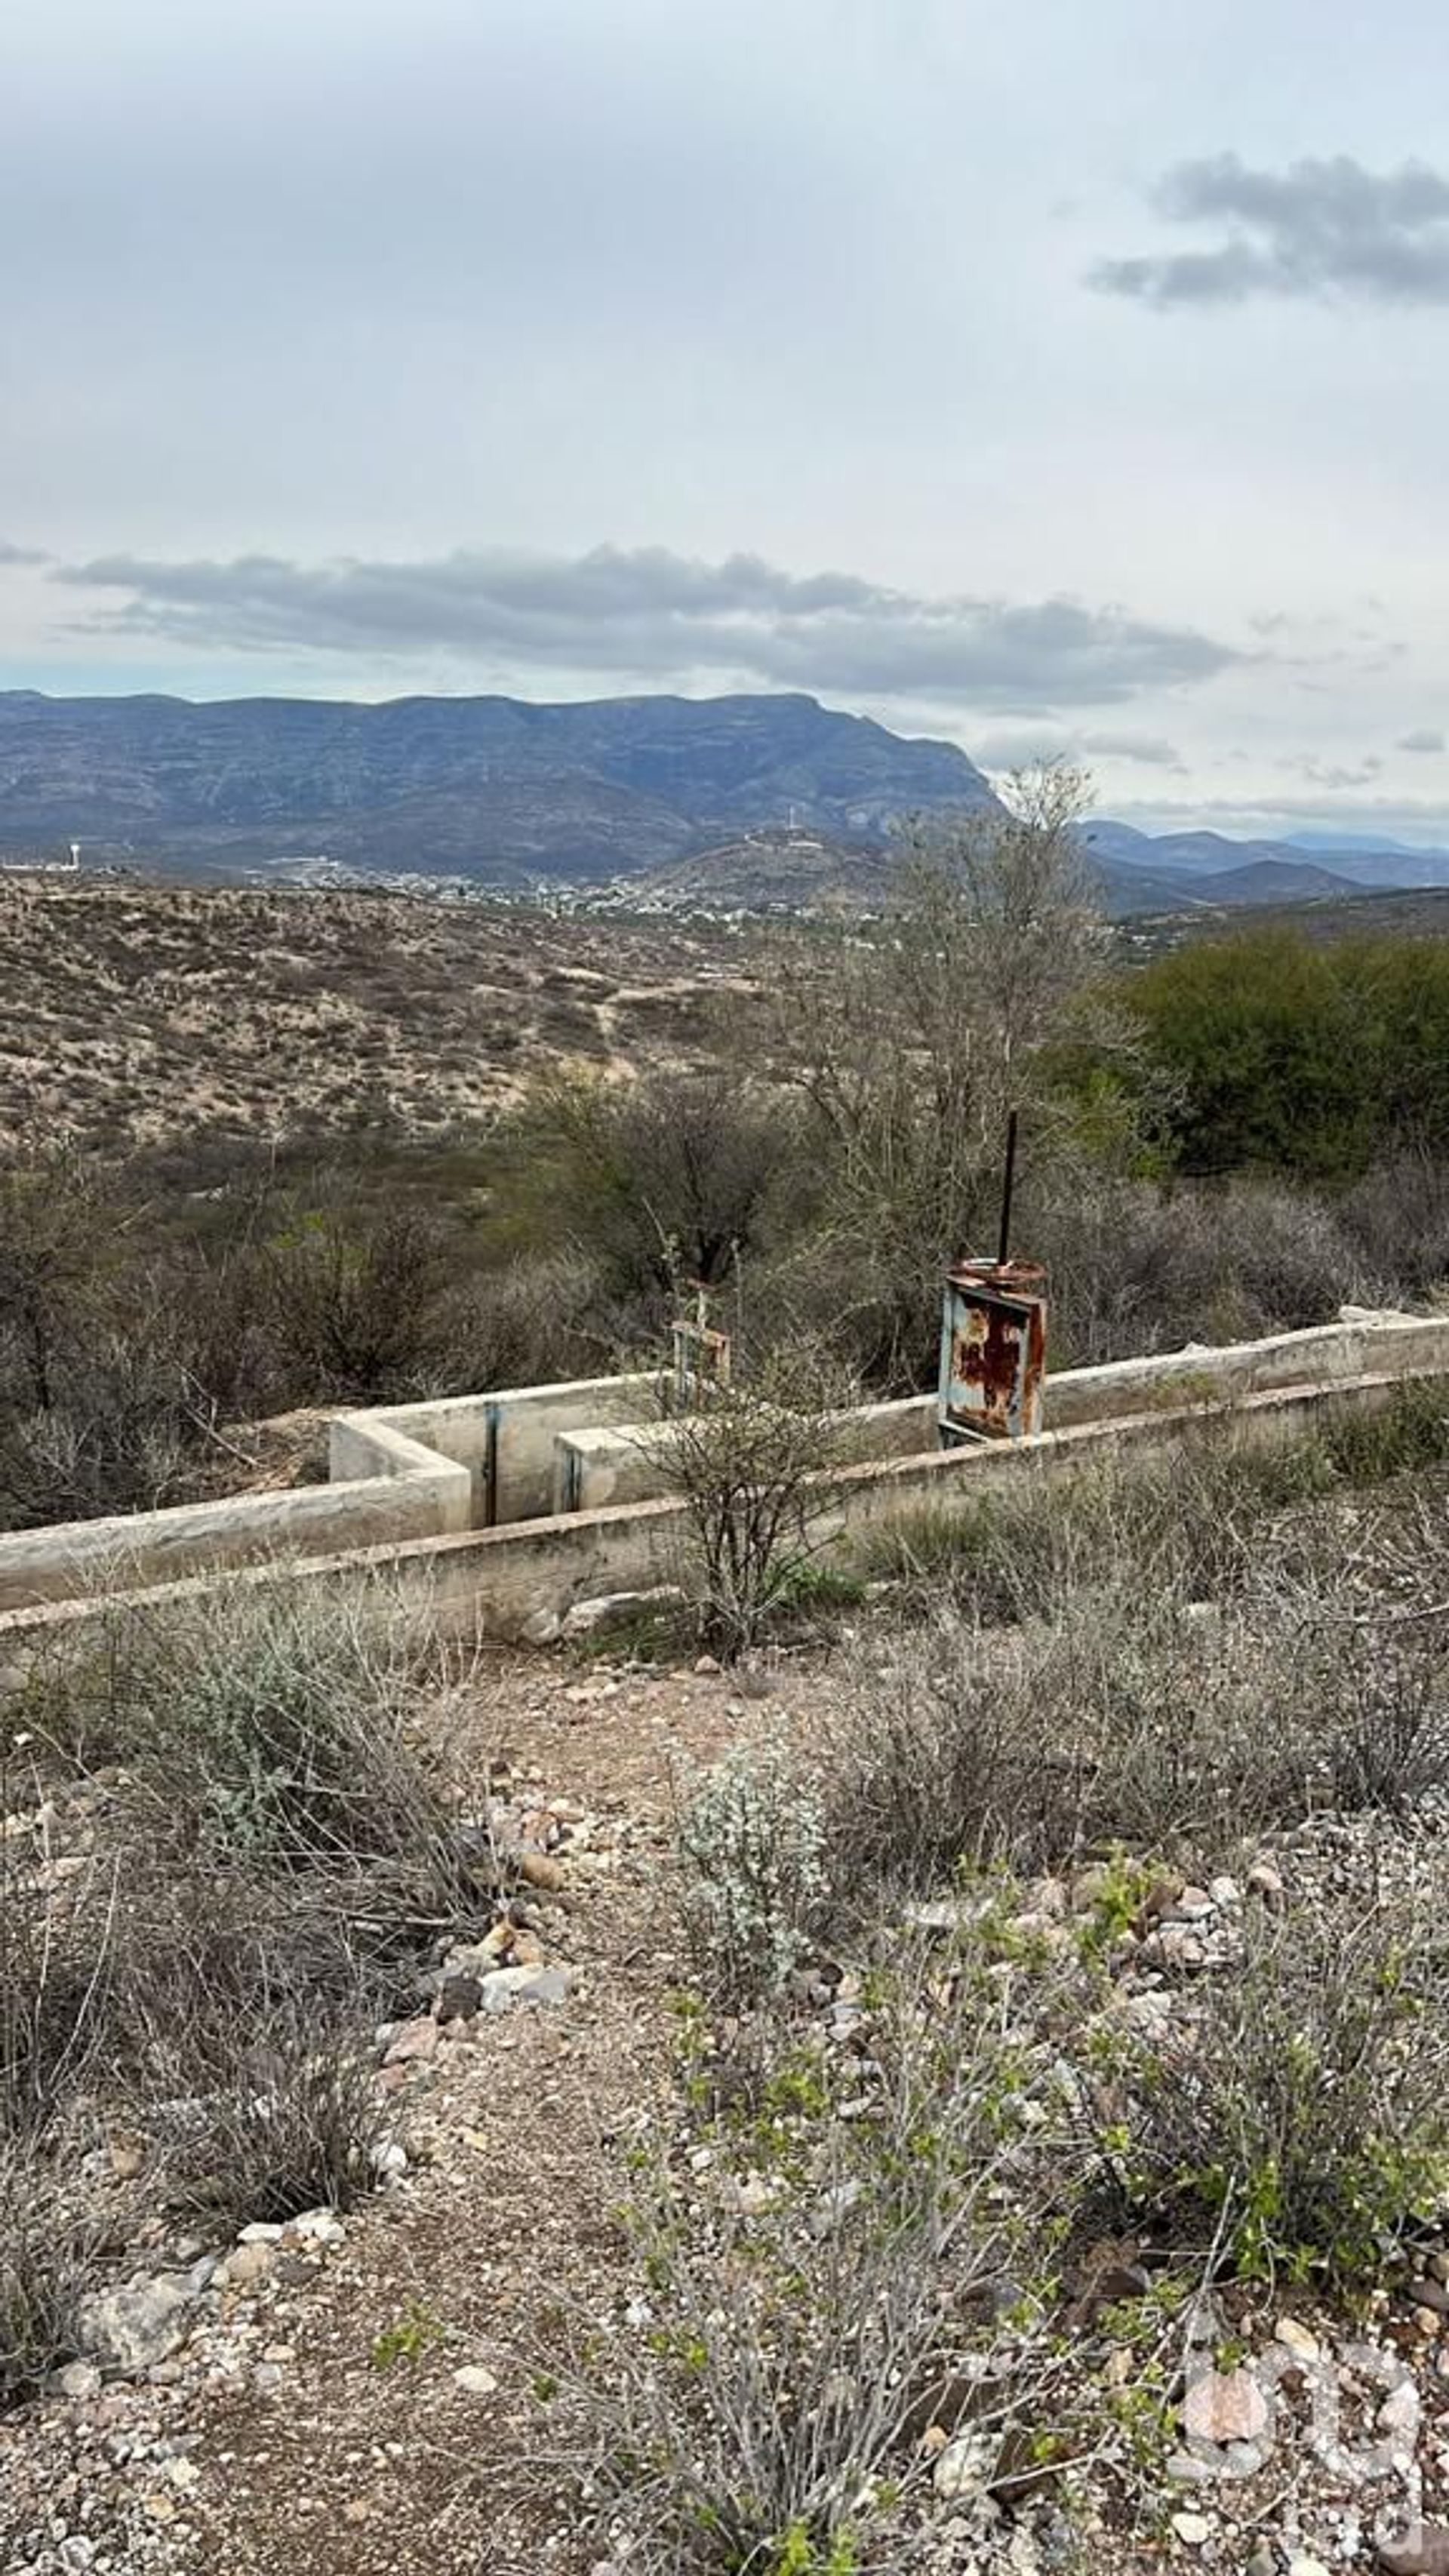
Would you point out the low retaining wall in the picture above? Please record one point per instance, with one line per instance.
(505, 1440)
(496, 1467)
(597, 1468)
(398, 1491)
(521, 1582)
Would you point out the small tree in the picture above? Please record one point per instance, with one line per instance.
(914, 1045)
(753, 1467)
(672, 1176)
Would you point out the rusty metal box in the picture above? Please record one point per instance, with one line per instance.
(993, 1351)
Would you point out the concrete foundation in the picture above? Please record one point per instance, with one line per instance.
(459, 1498)
(520, 1582)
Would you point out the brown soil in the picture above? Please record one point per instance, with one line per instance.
(498, 2241)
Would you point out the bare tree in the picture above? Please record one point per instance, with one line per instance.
(912, 1043)
(999, 919)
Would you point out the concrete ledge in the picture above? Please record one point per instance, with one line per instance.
(505, 1440)
(597, 1467)
(484, 1470)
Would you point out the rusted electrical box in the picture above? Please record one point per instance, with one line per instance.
(993, 1351)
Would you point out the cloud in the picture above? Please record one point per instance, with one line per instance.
(654, 617)
(1318, 229)
(1150, 748)
(1022, 748)
(1423, 738)
(1420, 821)
(1336, 774)
(18, 555)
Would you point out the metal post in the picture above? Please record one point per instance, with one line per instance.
(1008, 1183)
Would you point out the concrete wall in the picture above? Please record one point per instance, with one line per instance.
(598, 1468)
(426, 1473)
(398, 1492)
(511, 1582)
(505, 1440)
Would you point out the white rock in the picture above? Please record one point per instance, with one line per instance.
(964, 2466)
(477, 2381)
(1192, 2529)
(1297, 2338)
(586, 1616)
(78, 2379)
(142, 2322)
(319, 2227)
(262, 2231)
(508, 1986)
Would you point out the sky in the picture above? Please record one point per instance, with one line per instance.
(1059, 380)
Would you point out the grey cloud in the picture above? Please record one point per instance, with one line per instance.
(655, 616)
(1150, 748)
(18, 555)
(1319, 228)
(1018, 749)
(1336, 774)
(1423, 738)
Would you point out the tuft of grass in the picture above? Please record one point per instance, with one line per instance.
(44, 2269)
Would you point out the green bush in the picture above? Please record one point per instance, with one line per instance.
(1299, 2116)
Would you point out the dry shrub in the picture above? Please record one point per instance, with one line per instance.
(528, 1324)
(1138, 1268)
(281, 1725)
(753, 1468)
(45, 2266)
(751, 1847)
(277, 1848)
(350, 1290)
(56, 1961)
(824, 2287)
(265, 2112)
(1167, 1724)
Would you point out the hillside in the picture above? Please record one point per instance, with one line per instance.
(493, 788)
(154, 1012)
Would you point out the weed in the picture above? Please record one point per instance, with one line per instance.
(408, 2339)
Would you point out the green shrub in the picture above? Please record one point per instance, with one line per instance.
(1299, 2115)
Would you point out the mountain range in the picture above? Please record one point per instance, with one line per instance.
(492, 788)
(742, 798)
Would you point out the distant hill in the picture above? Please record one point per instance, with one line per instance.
(799, 871)
(1207, 855)
(786, 870)
(1268, 881)
(494, 788)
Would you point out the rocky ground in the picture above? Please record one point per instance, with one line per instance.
(369, 2395)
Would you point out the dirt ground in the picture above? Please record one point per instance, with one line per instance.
(281, 2436)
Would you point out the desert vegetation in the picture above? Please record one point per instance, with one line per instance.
(1205, 1156)
(1065, 2006)
(1010, 2035)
